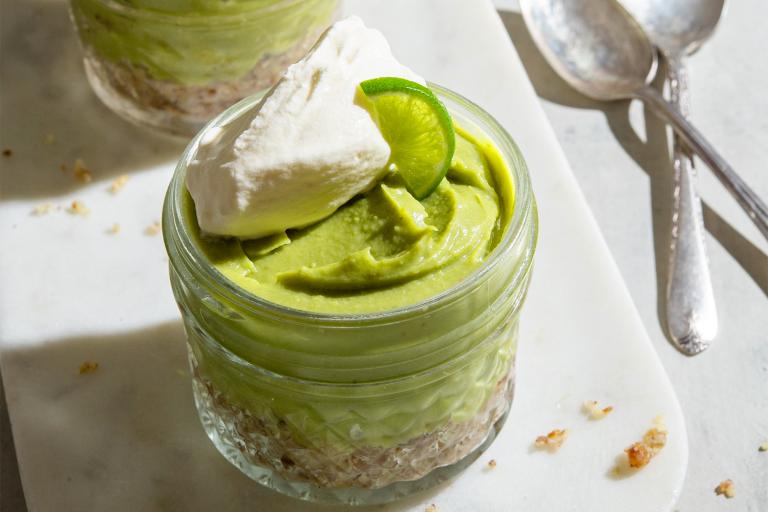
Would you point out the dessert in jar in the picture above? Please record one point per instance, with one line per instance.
(175, 64)
(350, 254)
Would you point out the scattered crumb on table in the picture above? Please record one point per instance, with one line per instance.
(153, 229)
(7, 152)
(78, 208)
(641, 453)
(49, 139)
(492, 463)
(81, 172)
(594, 411)
(763, 447)
(42, 209)
(88, 367)
(552, 441)
(118, 183)
(114, 229)
(726, 488)
(431, 508)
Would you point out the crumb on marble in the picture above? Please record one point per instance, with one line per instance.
(88, 367)
(78, 208)
(7, 153)
(656, 438)
(113, 229)
(639, 455)
(42, 209)
(594, 411)
(431, 508)
(81, 172)
(153, 229)
(552, 441)
(641, 452)
(492, 464)
(118, 183)
(726, 488)
(763, 447)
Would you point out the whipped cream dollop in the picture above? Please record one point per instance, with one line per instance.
(305, 150)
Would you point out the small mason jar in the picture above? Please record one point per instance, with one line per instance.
(175, 64)
(363, 408)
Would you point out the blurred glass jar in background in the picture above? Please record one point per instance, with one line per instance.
(175, 64)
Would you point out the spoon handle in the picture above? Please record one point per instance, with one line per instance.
(749, 201)
(690, 301)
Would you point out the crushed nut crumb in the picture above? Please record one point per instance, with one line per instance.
(81, 172)
(88, 367)
(78, 208)
(656, 438)
(726, 488)
(7, 153)
(42, 209)
(431, 508)
(641, 453)
(763, 447)
(594, 411)
(492, 463)
(118, 183)
(153, 229)
(114, 229)
(553, 440)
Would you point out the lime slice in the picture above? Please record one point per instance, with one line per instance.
(417, 127)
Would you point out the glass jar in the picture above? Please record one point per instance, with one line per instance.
(424, 389)
(175, 64)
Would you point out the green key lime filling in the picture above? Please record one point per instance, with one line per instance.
(383, 250)
(198, 42)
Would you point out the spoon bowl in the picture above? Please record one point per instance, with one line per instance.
(595, 45)
(677, 27)
(598, 48)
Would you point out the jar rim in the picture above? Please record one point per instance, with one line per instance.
(523, 209)
(195, 18)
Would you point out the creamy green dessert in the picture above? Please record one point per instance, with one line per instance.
(384, 249)
(381, 251)
(350, 254)
(355, 408)
(201, 41)
(175, 64)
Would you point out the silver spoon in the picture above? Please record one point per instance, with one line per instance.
(678, 28)
(598, 48)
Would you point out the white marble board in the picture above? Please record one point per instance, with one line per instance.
(126, 437)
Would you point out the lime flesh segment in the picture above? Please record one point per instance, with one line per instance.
(418, 129)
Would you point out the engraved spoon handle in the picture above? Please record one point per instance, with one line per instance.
(690, 301)
(749, 201)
